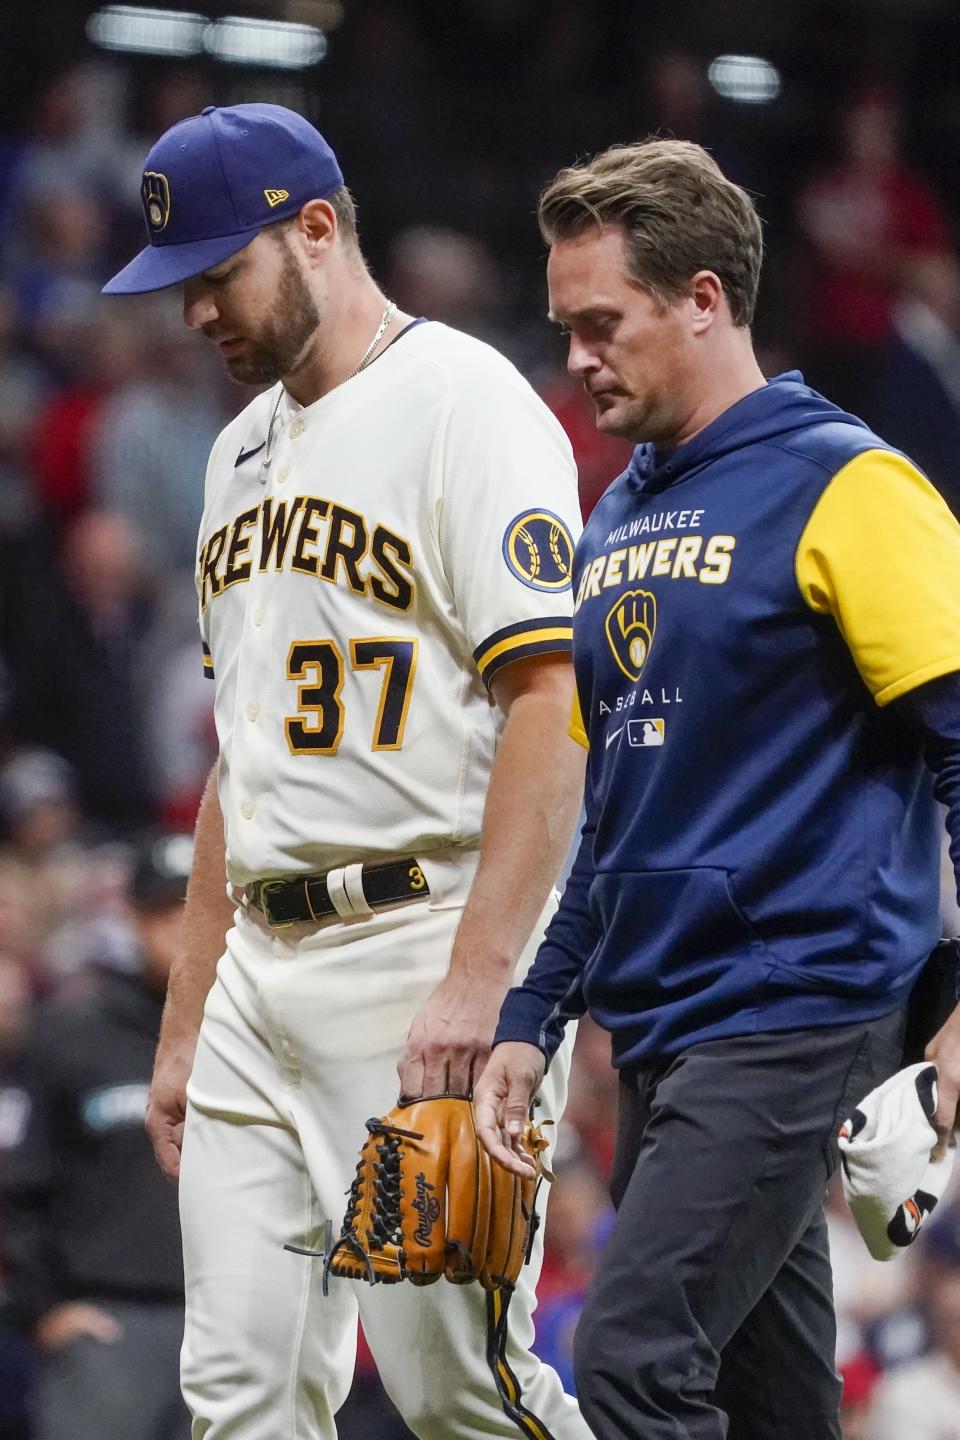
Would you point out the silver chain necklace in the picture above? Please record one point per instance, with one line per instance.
(367, 356)
(267, 459)
(389, 311)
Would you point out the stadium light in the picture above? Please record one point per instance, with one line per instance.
(236, 40)
(747, 79)
(279, 44)
(137, 28)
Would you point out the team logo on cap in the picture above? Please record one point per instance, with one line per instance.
(630, 627)
(538, 548)
(276, 197)
(155, 193)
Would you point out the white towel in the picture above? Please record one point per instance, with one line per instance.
(889, 1178)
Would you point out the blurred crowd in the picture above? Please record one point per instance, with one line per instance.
(107, 413)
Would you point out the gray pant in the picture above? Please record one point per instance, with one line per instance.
(712, 1306)
(128, 1390)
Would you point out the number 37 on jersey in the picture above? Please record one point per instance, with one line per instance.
(318, 668)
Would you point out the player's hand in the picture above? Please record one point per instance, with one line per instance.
(449, 1041)
(502, 1098)
(944, 1051)
(69, 1321)
(167, 1106)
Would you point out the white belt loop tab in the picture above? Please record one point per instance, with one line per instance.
(353, 890)
(337, 890)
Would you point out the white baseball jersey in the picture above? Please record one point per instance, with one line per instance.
(412, 533)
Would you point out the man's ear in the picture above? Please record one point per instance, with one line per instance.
(317, 225)
(706, 298)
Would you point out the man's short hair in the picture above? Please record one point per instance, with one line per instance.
(679, 212)
(346, 212)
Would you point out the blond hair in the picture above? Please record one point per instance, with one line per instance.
(679, 212)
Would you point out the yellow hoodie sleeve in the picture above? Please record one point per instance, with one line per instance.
(881, 554)
(577, 730)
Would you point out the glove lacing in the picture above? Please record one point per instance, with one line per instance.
(385, 1226)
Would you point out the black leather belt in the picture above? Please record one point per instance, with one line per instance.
(306, 898)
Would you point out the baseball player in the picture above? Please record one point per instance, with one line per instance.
(384, 585)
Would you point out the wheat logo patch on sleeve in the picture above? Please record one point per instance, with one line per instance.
(538, 549)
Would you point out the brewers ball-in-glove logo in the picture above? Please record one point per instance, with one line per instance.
(538, 548)
(155, 194)
(630, 628)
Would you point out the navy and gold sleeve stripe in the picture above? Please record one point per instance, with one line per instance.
(207, 661)
(520, 641)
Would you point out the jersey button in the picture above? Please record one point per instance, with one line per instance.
(246, 810)
(253, 712)
(282, 474)
(258, 617)
(296, 430)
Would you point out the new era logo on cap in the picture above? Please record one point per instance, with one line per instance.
(203, 192)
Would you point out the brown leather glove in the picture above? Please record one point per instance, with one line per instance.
(427, 1201)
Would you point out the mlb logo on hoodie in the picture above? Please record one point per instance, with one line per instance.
(645, 732)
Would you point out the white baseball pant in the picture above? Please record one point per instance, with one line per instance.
(299, 1044)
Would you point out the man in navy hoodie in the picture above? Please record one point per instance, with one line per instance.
(767, 651)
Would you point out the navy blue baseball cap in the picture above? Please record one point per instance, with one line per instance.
(213, 181)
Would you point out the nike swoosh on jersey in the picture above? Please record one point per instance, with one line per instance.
(613, 735)
(248, 454)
